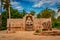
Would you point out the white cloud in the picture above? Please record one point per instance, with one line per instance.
(0, 6)
(0, 3)
(16, 5)
(19, 8)
(58, 14)
(0, 13)
(38, 4)
(50, 2)
(31, 0)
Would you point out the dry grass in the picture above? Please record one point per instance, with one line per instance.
(25, 35)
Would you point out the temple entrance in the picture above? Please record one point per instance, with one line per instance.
(29, 27)
(29, 23)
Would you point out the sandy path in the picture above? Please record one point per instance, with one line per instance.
(26, 35)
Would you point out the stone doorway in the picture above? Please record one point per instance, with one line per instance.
(29, 23)
(29, 27)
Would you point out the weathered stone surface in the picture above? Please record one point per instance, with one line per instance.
(29, 23)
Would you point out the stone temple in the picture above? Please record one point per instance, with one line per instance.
(29, 23)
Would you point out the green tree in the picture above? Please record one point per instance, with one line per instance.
(5, 16)
(32, 12)
(15, 13)
(58, 6)
(46, 13)
(23, 13)
(38, 15)
(4, 20)
(58, 19)
(6, 6)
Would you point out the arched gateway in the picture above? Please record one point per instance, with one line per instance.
(28, 23)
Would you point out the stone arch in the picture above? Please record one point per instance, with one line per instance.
(29, 24)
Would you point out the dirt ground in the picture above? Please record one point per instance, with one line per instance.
(25, 35)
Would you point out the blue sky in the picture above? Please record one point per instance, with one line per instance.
(36, 5)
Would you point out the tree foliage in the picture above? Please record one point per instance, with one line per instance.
(39, 15)
(46, 13)
(58, 19)
(58, 7)
(32, 12)
(14, 14)
(5, 4)
(23, 13)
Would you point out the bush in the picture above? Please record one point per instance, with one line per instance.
(3, 28)
(37, 31)
(56, 24)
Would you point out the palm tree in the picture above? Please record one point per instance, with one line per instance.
(58, 6)
(6, 6)
(0, 14)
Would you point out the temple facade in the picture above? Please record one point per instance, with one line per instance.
(29, 23)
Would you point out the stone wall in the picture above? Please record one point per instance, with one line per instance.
(20, 24)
